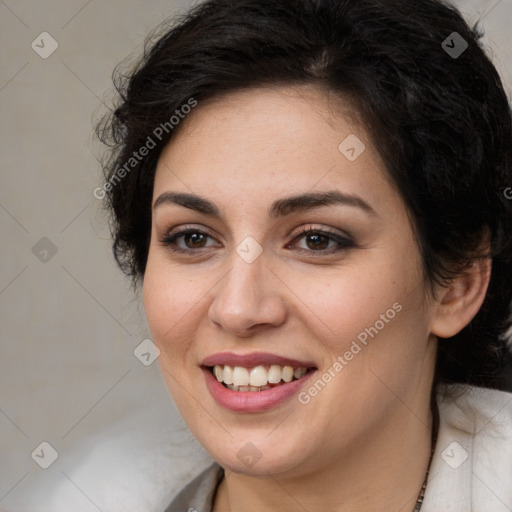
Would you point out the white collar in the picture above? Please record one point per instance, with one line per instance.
(471, 470)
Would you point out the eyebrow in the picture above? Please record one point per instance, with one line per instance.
(279, 208)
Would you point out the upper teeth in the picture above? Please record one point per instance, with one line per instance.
(257, 376)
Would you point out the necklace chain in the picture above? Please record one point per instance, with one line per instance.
(419, 502)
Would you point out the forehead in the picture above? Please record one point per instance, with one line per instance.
(266, 143)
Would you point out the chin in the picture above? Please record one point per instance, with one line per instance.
(260, 457)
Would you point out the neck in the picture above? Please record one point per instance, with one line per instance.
(384, 471)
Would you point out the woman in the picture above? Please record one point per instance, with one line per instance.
(312, 195)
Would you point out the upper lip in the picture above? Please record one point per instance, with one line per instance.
(253, 359)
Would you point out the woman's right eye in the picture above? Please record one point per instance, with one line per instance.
(191, 239)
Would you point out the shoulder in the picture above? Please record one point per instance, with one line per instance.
(472, 463)
(198, 494)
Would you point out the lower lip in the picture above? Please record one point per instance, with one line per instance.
(252, 401)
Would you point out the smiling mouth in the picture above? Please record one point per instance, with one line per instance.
(257, 378)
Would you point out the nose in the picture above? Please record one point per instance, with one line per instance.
(248, 299)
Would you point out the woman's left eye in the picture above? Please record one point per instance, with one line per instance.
(316, 241)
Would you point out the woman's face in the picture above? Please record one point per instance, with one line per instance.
(246, 289)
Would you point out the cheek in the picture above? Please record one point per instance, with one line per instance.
(370, 312)
(373, 328)
(170, 302)
(342, 303)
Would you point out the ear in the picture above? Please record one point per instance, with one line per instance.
(459, 302)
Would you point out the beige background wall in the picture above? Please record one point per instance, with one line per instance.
(69, 324)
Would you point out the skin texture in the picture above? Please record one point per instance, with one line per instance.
(364, 441)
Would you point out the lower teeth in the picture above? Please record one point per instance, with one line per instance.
(253, 388)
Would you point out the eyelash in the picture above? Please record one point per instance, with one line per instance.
(344, 242)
